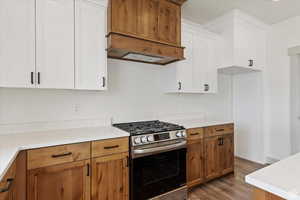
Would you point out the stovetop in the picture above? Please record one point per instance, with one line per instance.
(147, 127)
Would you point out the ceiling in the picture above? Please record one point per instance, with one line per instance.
(270, 12)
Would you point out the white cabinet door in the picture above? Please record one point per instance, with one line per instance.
(201, 62)
(249, 46)
(17, 43)
(259, 48)
(210, 78)
(205, 67)
(185, 67)
(90, 45)
(55, 43)
(243, 48)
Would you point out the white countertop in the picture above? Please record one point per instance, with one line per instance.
(195, 123)
(11, 144)
(281, 178)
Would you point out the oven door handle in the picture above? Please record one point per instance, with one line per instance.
(160, 149)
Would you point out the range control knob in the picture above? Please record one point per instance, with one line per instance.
(183, 133)
(178, 134)
(150, 138)
(137, 140)
(144, 139)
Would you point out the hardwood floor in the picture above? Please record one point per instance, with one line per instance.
(230, 187)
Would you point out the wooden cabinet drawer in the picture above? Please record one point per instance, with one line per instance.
(195, 133)
(218, 130)
(111, 146)
(57, 155)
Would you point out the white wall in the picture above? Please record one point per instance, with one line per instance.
(248, 116)
(295, 103)
(282, 36)
(135, 93)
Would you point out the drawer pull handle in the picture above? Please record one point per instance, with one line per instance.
(111, 147)
(192, 134)
(62, 155)
(218, 130)
(9, 184)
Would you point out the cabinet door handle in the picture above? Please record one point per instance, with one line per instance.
(219, 141)
(9, 184)
(179, 85)
(39, 78)
(31, 78)
(222, 141)
(206, 87)
(62, 155)
(111, 147)
(88, 170)
(127, 160)
(251, 63)
(103, 81)
(192, 134)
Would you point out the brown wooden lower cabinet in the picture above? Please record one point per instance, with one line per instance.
(219, 156)
(69, 181)
(226, 152)
(110, 177)
(259, 194)
(195, 164)
(211, 155)
(13, 185)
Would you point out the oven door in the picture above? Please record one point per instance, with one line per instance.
(158, 173)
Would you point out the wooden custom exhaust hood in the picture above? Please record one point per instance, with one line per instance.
(145, 30)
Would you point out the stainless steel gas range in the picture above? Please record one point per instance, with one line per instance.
(157, 160)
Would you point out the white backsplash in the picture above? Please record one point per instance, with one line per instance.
(134, 94)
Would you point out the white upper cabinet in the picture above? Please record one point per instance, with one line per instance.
(244, 42)
(17, 43)
(90, 45)
(198, 72)
(55, 43)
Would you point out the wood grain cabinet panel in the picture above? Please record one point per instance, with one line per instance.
(7, 184)
(195, 163)
(219, 130)
(69, 181)
(169, 22)
(110, 177)
(44, 157)
(147, 26)
(123, 15)
(259, 194)
(212, 157)
(13, 185)
(227, 154)
(110, 146)
(195, 134)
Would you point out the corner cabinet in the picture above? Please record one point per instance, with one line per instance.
(62, 45)
(244, 42)
(13, 184)
(198, 72)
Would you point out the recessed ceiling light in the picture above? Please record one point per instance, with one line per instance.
(275, 0)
